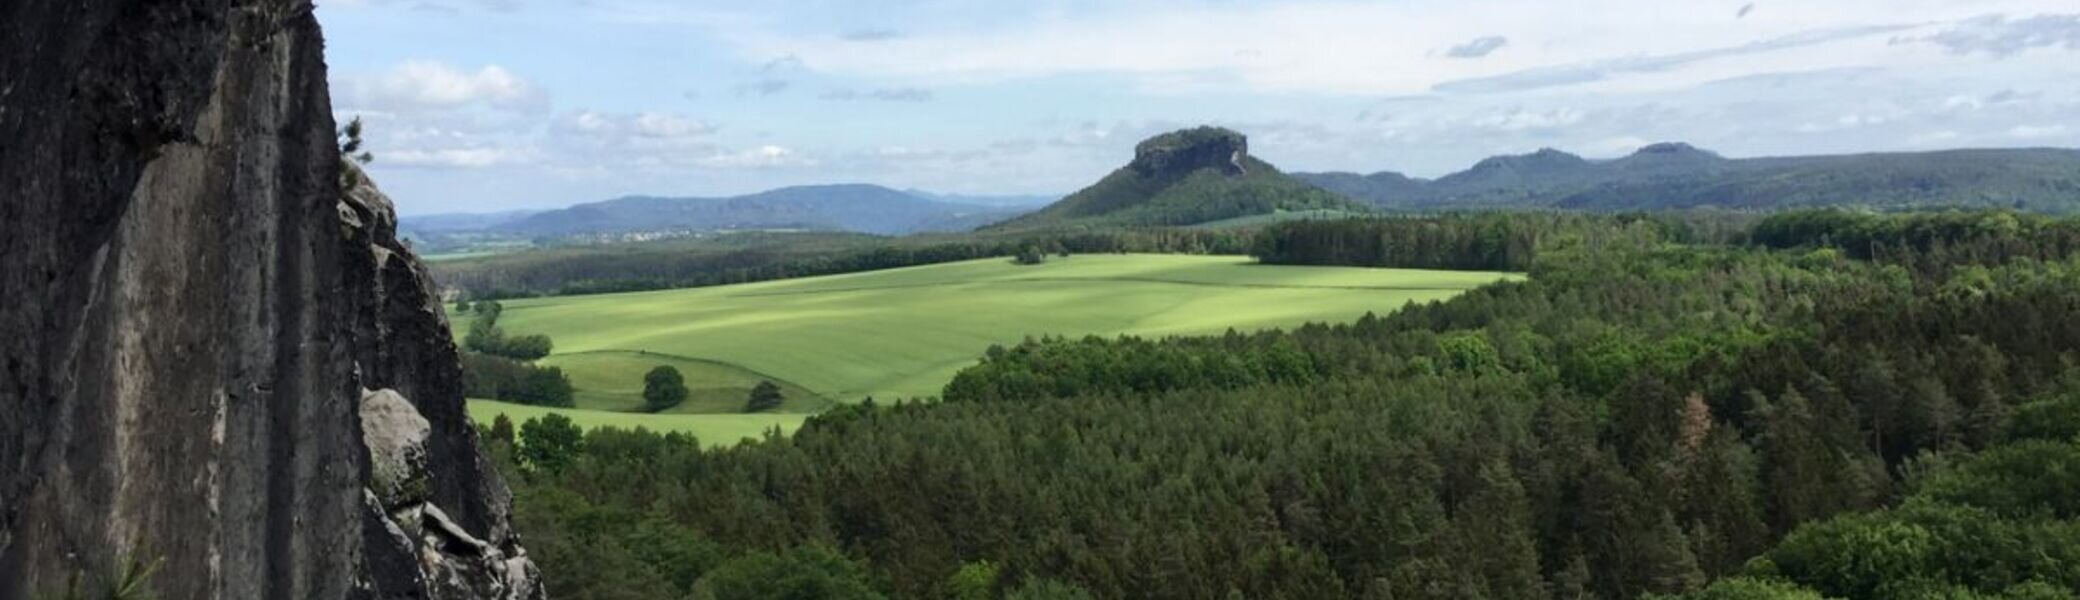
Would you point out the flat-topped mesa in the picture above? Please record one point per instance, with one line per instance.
(1184, 151)
(1674, 148)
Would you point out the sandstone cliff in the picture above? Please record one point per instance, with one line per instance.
(215, 356)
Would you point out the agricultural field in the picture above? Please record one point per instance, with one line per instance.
(711, 430)
(904, 333)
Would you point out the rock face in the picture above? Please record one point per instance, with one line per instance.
(196, 297)
(1181, 152)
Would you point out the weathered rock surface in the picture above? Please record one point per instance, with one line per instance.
(1180, 152)
(193, 298)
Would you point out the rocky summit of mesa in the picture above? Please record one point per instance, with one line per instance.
(1186, 177)
(1184, 151)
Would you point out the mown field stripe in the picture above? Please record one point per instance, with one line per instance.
(1212, 284)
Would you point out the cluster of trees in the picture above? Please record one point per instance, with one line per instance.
(1925, 242)
(764, 397)
(1642, 416)
(2002, 523)
(1030, 255)
(505, 379)
(501, 367)
(485, 337)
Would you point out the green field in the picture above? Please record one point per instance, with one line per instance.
(613, 380)
(712, 430)
(905, 332)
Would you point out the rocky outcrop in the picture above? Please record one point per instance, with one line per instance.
(1179, 153)
(432, 501)
(196, 297)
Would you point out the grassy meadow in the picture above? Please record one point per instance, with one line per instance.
(905, 332)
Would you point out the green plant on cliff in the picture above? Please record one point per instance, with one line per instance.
(350, 143)
(127, 580)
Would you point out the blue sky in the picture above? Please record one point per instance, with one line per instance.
(485, 105)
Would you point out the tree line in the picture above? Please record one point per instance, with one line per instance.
(1479, 241)
(638, 267)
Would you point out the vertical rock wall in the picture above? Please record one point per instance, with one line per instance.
(193, 301)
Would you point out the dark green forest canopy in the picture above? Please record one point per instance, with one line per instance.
(1665, 407)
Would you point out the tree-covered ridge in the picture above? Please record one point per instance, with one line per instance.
(1676, 176)
(1641, 416)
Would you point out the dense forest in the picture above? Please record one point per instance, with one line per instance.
(1825, 404)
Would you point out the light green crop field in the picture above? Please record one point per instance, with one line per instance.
(712, 430)
(905, 332)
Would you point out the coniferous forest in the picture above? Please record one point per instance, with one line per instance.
(1816, 405)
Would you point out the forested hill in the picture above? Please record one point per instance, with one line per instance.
(1665, 176)
(851, 207)
(1183, 178)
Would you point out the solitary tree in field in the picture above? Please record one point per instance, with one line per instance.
(766, 396)
(664, 388)
(1030, 255)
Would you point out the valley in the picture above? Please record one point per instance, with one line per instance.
(826, 339)
(565, 350)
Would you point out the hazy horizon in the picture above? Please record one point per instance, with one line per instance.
(492, 105)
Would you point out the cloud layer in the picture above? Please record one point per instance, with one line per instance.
(703, 97)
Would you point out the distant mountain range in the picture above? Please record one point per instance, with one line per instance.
(1207, 174)
(1184, 178)
(1674, 175)
(851, 207)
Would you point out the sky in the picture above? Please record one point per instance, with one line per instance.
(491, 105)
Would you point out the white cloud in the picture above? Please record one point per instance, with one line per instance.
(1349, 47)
(904, 94)
(1528, 120)
(1997, 35)
(453, 158)
(767, 156)
(657, 125)
(652, 128)
(2034, 132)
(424, 85)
